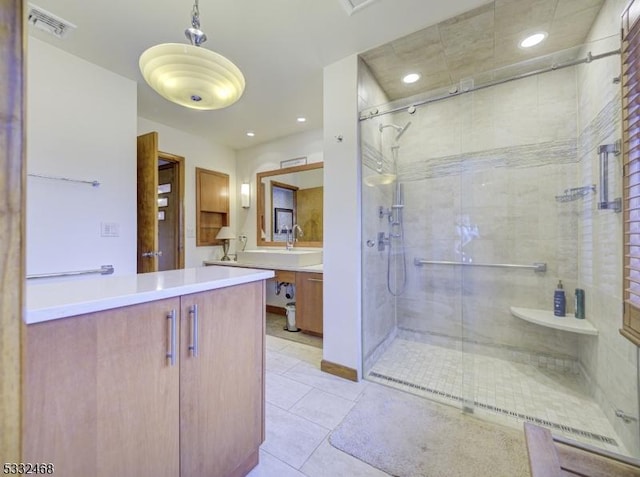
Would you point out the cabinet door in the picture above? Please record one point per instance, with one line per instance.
(101, 398)
(221, 385)
(213, 188)
(309, 302)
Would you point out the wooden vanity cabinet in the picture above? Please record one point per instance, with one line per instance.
(102, 398)
(309, 302)
(221, 381)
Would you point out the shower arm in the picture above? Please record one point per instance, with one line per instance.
(604, 151)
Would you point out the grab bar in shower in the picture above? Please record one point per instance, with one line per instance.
(536, 267)
(604, 203)
(103, 270)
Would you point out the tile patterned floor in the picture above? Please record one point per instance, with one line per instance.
(303, 406)
(275, 327)
(551, 395)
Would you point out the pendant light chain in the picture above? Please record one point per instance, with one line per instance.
(195, 15)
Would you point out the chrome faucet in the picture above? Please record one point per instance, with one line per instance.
(291, 234)
(289, 237)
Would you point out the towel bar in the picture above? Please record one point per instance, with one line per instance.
(103, 270)
(536, 267)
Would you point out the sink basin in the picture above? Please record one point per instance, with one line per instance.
(280, 258)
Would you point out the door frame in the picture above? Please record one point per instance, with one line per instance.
(12, 224)
(148, 155)
(178, 163)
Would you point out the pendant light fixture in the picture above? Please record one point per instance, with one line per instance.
(190, 75)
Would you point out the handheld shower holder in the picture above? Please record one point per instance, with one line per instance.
(382, 212)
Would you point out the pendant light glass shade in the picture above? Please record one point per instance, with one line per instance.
(190, 75)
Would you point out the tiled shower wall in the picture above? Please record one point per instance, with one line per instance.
(610, 360)
(481, 173)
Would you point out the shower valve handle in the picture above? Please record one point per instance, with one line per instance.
(382, 241)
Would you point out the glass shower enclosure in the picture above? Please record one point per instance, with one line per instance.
(475, 205)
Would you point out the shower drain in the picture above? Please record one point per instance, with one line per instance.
(488, 407)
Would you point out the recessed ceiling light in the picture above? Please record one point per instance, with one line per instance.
(411, 78)
(301, 119)
(533, 40)
(250, 133)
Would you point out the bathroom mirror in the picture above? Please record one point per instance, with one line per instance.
(287, 197)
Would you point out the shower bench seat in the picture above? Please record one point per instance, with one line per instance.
(548, 319)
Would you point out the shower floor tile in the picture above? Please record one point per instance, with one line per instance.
(551, 397)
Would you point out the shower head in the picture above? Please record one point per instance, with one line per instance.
(399, 129)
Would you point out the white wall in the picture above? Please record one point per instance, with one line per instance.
(81, 124)
(198, 152)
(342, 226)
(266, 157)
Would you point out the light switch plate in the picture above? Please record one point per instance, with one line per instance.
(109, 229)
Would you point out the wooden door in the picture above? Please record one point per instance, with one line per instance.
(309, 302)
(12, 211)
(221, 389)
(101, 398)
(147, 203)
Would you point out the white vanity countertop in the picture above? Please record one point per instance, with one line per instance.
(53, 300)
(231, 263)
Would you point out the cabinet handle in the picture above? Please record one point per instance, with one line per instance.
(171, 353)
(193, 314)
(315, 280)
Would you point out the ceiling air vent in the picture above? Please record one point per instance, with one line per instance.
(45, 21)
(354, 6)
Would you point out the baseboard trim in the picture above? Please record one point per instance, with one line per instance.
(277, 310)
(339, 370)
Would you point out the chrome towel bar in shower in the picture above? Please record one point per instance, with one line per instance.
(103, 270)
(536, 267)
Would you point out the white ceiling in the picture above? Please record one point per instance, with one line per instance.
(281, 46)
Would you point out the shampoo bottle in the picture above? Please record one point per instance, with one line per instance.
(579, 303)
(559, 301)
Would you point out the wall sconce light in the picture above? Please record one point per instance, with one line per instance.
(245, 195)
